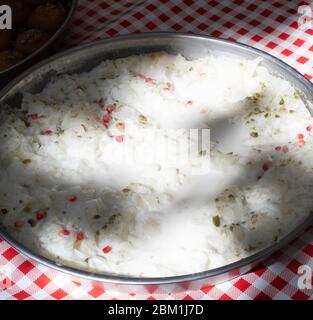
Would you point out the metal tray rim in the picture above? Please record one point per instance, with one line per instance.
(231, 270)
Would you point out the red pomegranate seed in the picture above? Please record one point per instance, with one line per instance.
(147, 79)
(34, 116)
(46, 132)
(64, 232)
(309, 127)
(105, 119)
(71, 198)
(301, 142)
(300, 136)
(266, 166)
(285, 149)
(278, 148)
(80, 236)
(119, 139)
(18, 224)
(189, 102)
(107, 249)
(40, 214)
(109, 109)
(121, 126)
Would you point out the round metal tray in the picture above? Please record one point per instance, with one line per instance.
(191, 46)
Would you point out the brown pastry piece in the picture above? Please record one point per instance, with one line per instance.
(6, 37)
(20, 11)
(48, 17)
(30, 40)
(9, 58)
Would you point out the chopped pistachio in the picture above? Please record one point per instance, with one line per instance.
(257, 110)
(27, 209)
(254, 134)
(142, 119)
(113, 218)
(84, 127)
(27, 161)
(216, 221)
(59, 131)
(26, 122)
(249, 248)
(263, 86)
(32, 222)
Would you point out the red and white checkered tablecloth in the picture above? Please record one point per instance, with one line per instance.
(268, 25)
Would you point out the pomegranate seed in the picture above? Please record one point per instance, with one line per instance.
(46, 132)
(80, 236)
(105, 119)
(285, 149)
(119, 139)
(300, 136)
(309, 127)
(64, 232)
(121, 126)
(278, 148)
(71, 198)
(18, 224)
(147, 79)
(34, 116)
(189, 102)
(40, 214)
(266, 166)
(301, 142)
(109, 109)
(107, 249)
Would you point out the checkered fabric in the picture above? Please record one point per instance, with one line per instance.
(268, 25)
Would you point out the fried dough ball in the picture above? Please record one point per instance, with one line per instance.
(20, 11)
(9, 58)
(48, 17)
(6, 37)
(30, 40)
